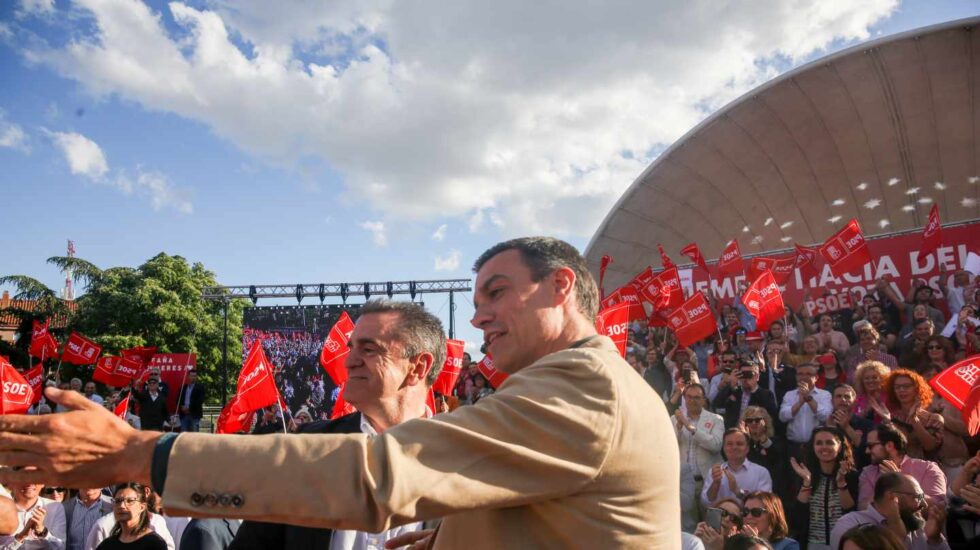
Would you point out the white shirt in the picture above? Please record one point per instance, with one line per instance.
(799, 427)
(750, 477)
(359, 540)
(102, 528)
(176, 527)
(54, 522)
(701, 449)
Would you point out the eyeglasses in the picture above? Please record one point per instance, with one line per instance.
(934, 347)
(904, 386)
(125, 501)
(727, 514)
(53, 490)
(754, 512)
(754, 420)
(921, 497)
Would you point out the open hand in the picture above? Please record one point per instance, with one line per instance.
(801, 470)
(886, 466)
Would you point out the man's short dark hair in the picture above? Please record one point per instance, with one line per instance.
(696, 387)
(925, 321)
(738, 541)
(419, 331)
(543, 255)
(888, 433)
(891, 481)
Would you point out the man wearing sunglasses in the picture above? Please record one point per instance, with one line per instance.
(900, 506)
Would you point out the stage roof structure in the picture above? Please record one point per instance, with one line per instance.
(878, 132)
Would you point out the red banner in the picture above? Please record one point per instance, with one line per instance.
(141, 354)
(79, 350)
(664, 258)
(231, 421)
(335, 349)
(730, 262)
(664, 292)
(764, 301)
(105, 372)
(128, 368)
(256, 387)
(806, 261)
(692, 321)
(494, 376)
(173, 372)
(615, 321)
(44, 347)
(451, 368)
(846, 250)
(694, 253)
(955, 383)
(341, 407)
(17, 394)
(624, 294)
(932, 233)
(781, 268)
(35, 379)
(971, 412)
(122, 408)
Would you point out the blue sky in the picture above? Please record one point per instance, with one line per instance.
(272, 143)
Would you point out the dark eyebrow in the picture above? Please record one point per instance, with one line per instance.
(484, 288)
(366, 342)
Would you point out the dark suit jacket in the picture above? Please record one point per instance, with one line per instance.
(152, 413)
(731, 401)
(197, 400)
(259, 535)
(209, 534)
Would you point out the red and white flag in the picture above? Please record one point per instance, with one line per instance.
(79, 350)
(123, 407)
(105, 372)
(971, 411)
(730, 261)
(932, 233)
(43, 345)
(624, 294)
(449, 374)
(694, 253)
(615, 321)
(335, 349)
(231, 420)
(35, 379)
(664, 258)
(693, 321)
(664, 293)
(493, 376)
(955, 383)
(781, 268)
(256, 386)
(128, 369)
(17, 394)
(603, 265)
(143, 354)
(764, 301)
(341, 407)
(846, 250)
(806, 261)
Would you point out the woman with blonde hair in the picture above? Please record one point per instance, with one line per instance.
(765, 449)
(868, 348)
(870, 401)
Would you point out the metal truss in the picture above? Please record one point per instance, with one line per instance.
(333, 290)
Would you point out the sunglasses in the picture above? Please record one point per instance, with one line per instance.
(726, 514)
(52, 490)
(754, 512)
(754, 420)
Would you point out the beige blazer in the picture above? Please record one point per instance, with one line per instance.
(573, 451)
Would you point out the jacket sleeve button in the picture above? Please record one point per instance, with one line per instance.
(197, 499)
(237, 501)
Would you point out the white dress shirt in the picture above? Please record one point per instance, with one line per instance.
(799, 427)
(749, 477)
(54, 522)
(103, 527)
(701, 449)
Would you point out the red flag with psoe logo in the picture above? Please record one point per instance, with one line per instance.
(105, 372)
(932, 233)
(122, 408)
(231, 420)
(806, 261)
(127, 369)
(494, 377)
(730, 261)
(971, 411)
(341, 407)
(256, 387)
(664, 293)
(606, 260)
(846, 250)
(615, 321)
(781, 268)
(451, 368)
(693, 321)
(764, 301)
(664, 258)
(694, 253)
(956, 382)
(143, 354)
(624, 294)
(43, 345)
(35, 379)
(79, 350)
(335, 349)
(17, 393)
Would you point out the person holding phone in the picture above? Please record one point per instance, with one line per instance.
(735, 400)
(721, 522)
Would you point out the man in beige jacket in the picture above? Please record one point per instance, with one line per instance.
(574, 450)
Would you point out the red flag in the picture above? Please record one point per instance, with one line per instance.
(615, 321)
(606, 260)
(764, 301)
(44, 347)
(35, 379)
(232, 421)
(664, 293)
(971, 412)
(256, 387)
(781, 268)
(341, 407)
(335, 349)
(694, 253)
(127, 369)
(692, 321)
(143, 354)
(79, 350)
(122, 408)
(806, 261)
(494, 376)
(846, 250)
(932, 234)
(17, 393)
(730, 261)
(105, 372)
(451, 368)
(664, 258)
(624, 294)
(956, 382)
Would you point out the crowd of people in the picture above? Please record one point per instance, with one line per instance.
(822, 422)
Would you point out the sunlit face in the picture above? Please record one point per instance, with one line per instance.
(826, 446)
(843, 398)
(736, 446)
(875, 315)
(750, 384)
(923, 331)
(518, 317)
(127, 506)
(871, 380)
(920, 312)
(651, 356)
(761, 523)
(806, 375)
(867, 339)
(376, 365)
(729, 523)
(90, 388)
(875, 449)
(755, 422)
(905, 389)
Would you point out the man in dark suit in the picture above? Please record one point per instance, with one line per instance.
(748, 393)
(190, 403)
(153, 406)
(209, 534)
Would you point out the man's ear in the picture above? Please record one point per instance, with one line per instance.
(421, 366)
(563, 279)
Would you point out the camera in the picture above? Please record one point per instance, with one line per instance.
(745, 374)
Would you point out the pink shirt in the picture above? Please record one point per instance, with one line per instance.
(926, 472)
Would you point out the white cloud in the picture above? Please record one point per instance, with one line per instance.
(440, 233)
(427, 108)
(84, 156)
(449, 262)
(35, 7)
(377, 229)
(162, 193)
(12, 136)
